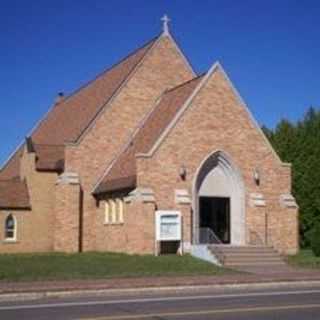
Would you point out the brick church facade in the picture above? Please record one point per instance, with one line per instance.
(148, 134)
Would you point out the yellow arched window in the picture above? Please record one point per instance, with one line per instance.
(106, 212)
(114, 211)
(120, 210)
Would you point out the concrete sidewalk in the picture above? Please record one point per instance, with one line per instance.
(292, 275)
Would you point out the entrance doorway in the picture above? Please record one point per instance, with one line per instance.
(218, 202)
(215, 215)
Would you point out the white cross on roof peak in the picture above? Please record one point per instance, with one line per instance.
(165, 19)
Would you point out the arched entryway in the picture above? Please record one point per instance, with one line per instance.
(218, 201)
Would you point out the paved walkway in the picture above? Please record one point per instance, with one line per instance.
(259, 276)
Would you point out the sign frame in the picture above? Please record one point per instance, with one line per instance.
(160, 214)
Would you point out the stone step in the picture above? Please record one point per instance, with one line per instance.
(252, 258)
(244, 251)
(253, 255)
(241, 248)
(254, 264)
(247, 256)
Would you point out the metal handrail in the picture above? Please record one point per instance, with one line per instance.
(207, 236)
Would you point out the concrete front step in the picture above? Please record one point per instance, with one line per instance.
(252, 259)
(243, 249)
(253, 255)
(255, 264)
(261, 255)
(247, 256)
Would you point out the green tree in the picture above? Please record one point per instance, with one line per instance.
(315, 240)
(299, 144)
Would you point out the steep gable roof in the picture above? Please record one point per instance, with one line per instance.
(122, 173)
(69, 118)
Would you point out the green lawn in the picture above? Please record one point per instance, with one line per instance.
(305, 259)
(56, 266)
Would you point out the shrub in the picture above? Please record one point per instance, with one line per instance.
(315, 240)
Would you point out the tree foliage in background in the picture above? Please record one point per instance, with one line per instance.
(299, 144)
(315, 239)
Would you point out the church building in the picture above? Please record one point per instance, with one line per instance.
(148, 158)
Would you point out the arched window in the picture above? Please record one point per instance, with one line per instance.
(120, 210)
(107, 213)
(10, 228)
(114, 211)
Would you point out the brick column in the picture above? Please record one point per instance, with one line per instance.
(183, 204)
(257, 220)
(289, 225)
(140, 220)
(67, 213)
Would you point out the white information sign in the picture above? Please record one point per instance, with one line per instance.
(168, 225)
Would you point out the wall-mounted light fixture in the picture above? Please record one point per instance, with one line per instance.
(256, 176)
(183, 172)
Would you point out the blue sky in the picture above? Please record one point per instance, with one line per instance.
(269, 48)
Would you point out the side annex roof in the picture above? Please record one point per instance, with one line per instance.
(122, 173)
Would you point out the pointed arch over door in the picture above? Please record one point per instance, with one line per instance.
(219, 200)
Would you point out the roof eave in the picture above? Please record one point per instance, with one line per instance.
(124, 187)
(18, 208)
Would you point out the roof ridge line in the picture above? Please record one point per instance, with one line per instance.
(187, 82)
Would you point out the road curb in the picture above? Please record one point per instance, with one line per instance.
(30, 296)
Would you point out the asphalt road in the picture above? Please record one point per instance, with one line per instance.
(302, 303)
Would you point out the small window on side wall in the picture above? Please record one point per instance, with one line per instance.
(114, 211)
(10, 228)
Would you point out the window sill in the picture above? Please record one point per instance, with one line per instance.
(10, 241)
(114, 223)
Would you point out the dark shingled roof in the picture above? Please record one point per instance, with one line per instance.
(49, 157)
(122, 174)
(11, 170)
(69, 118)
(14, 194)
